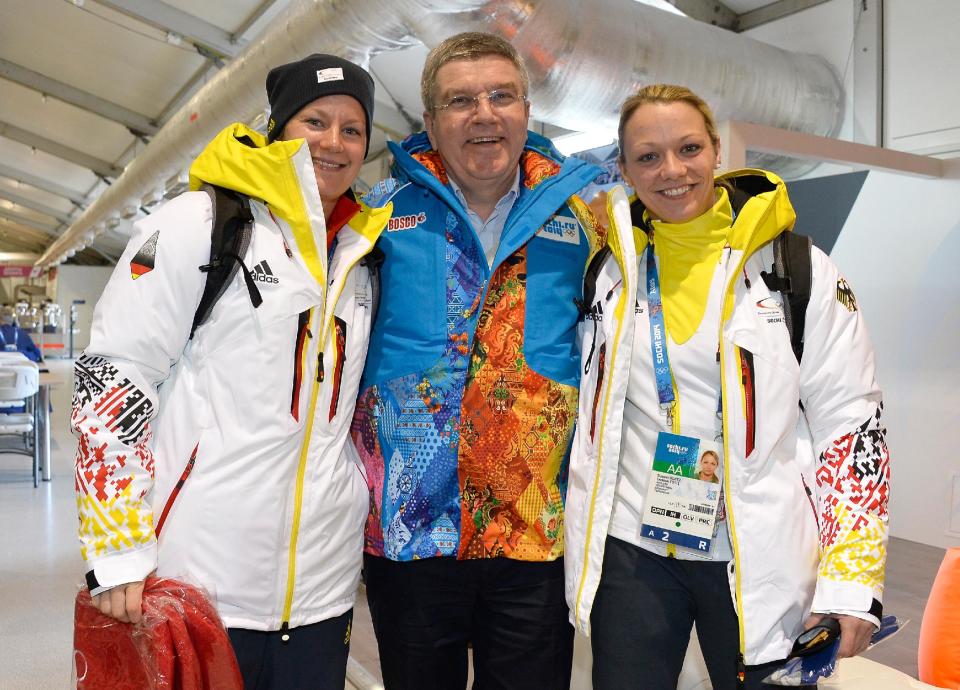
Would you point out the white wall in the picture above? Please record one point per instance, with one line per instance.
(900, 247)
(900, 250)
(80, 282)
(922, 99)
(921, 107)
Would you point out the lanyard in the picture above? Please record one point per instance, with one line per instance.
(658, 343)
(658, 339)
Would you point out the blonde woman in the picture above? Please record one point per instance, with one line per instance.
(684, 346)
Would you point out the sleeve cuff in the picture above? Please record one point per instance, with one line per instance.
(839, 595)
(849, 599)
(119, 569)
(865, 615)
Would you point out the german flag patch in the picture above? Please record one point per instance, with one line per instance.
(145, 259)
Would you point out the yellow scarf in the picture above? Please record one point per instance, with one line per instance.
(687, 256)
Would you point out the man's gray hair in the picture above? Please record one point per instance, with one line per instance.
(471, 45)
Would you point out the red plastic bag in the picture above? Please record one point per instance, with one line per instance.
(179, 644)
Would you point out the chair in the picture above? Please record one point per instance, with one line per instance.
(19, 385)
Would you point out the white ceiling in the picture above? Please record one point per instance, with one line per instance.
(132, 63)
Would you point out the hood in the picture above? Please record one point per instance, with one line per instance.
(279, 174)
(240, 159)
(761, 207)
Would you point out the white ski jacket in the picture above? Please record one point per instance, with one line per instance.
(808, 530)
(236, 438)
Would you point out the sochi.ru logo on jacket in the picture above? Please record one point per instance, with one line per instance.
(262, 273)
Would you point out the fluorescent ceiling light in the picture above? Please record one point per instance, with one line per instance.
(663, 5)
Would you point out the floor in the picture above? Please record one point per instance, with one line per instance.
(41, 571)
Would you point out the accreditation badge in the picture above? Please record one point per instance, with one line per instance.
(683, 496)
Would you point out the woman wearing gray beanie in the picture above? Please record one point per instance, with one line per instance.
(250, 299)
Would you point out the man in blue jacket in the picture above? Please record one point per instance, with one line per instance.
(469, 396)
(13, 338)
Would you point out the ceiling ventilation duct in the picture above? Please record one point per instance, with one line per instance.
(584, 59)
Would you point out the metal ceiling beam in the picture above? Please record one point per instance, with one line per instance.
(773, 11)
(868, 93)
(93, 163)
(253, 18)
(135, 122)
(35, 206)
(24, 233)
(185, 92)
(109, 257)
(41, 183)
(708, 11)
(162, 16)
(19, 236)
(28, 222)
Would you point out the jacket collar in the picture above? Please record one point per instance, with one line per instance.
(761, 208)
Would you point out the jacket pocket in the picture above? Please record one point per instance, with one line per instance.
(554, 286)
(303, 332)
(748, 391)
(410, 331)
(340, 343)
(171, 499)
(601, 366)
(810, 499)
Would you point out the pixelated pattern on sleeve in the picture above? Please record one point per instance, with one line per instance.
(853, 479)
(124, 408)
(114, 465)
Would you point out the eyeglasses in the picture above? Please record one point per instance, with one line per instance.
(499, 99)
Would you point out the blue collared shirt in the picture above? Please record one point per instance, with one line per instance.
(489, 230)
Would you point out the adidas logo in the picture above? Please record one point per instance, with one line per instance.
(262, 273)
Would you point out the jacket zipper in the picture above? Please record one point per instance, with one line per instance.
(302, 464)
(618, 313)
(728, 495)
(176, 490)
(297, 509)
(303, 332)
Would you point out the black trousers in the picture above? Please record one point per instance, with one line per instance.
(644, 610)
(425, 612)
(314, 657)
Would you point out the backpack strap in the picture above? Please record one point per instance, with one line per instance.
(792, 277)
(231, 231)
(585, 306)
(373, 261)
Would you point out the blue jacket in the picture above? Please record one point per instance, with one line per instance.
(14, 337)
(468, 399)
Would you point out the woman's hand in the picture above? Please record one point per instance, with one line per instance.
(122, 602)
(855, 633)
